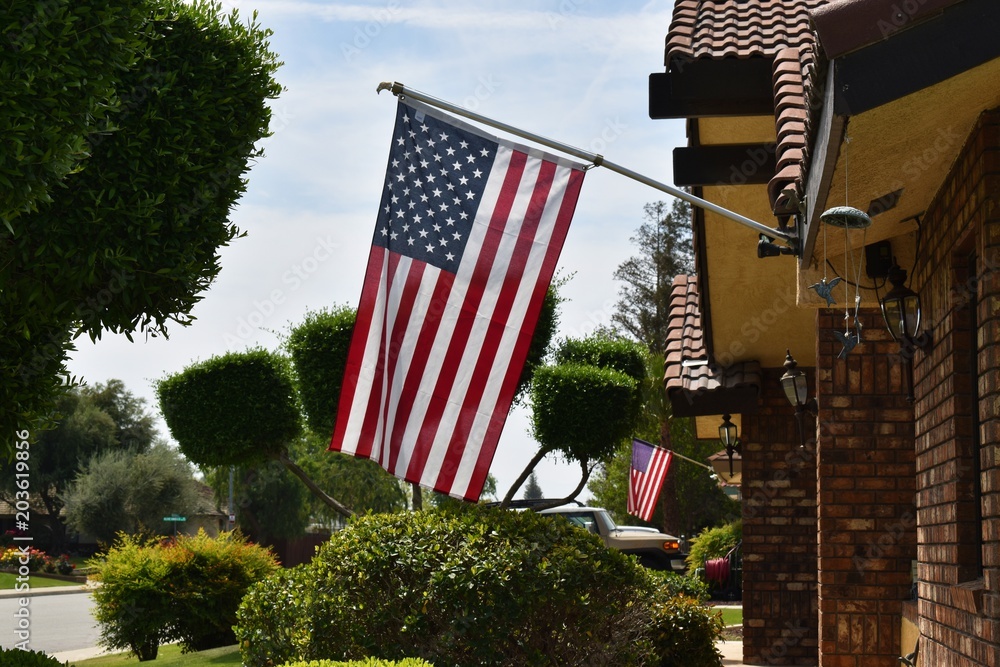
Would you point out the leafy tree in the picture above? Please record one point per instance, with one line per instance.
(123, 492)
(119, 207)
(361, 484)
(665, 251)
(134, 425)
(586, 404)
(237, 409)
(270, 503)
(532, 491)
(83, 430)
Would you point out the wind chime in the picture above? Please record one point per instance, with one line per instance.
(847, 218)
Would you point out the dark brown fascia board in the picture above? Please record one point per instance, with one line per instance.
(731, 164)
(826, 149)
(710, 87)
(963, 36)
(719, 401)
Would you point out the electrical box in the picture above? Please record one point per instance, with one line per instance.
(878, 260)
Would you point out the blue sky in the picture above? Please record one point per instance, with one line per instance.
(574, 71)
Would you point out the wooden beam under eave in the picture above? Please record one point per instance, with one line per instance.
(698, 88)
(734, 164)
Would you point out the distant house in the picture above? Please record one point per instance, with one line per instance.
(871, 522)
(207, 516)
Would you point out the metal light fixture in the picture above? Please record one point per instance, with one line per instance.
(901, 311)
(729, 436)
(797, 391)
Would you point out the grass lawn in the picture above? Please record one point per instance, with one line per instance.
(732, 616)
(171, 656)
(7, 581)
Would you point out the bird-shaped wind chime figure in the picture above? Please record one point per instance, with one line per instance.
(847, 218)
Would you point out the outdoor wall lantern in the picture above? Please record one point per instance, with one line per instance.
(901, 311)
(729, 436)
(797, 390)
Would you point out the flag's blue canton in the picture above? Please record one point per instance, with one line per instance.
(434, 184)
(641, 455)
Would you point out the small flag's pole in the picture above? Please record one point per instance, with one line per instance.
(697, 463)
(598, 160)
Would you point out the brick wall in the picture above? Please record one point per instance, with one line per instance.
(958, 410)
(866, 512)
(779, 534)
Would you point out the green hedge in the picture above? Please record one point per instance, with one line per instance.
(371, 662)
(15, 657)
(473, 586)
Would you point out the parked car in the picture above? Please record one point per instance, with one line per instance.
(655, 550)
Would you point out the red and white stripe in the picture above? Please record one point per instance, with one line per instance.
(644, 486)
(435, 357)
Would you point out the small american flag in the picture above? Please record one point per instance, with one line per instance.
(649, 467)
(466, 242)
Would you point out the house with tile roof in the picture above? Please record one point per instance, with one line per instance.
(866, 133)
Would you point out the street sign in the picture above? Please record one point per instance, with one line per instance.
(175, 517)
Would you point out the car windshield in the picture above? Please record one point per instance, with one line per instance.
(588, 520)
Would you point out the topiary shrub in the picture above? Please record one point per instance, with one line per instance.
(186, 589)
(15, 657)
(469, 587)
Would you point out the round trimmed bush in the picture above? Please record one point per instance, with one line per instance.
(476, 586)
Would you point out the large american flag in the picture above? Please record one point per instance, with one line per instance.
(466, 242)
(649, 467)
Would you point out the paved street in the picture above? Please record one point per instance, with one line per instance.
(58, 623)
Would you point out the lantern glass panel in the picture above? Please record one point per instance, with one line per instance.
(911, 315)
(892, 311)
(788, 384)
(727, 433)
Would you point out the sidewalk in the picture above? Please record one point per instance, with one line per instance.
(732, 653)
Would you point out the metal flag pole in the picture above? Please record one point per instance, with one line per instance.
(697, 463)
(597, 160)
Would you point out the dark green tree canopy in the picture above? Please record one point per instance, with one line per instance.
(318, 347)
(129, 127)
(583, 412)
(134, 427)
(603, 351)
(57, 91)
(238, 408)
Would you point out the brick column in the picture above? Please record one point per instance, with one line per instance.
(779, 534)
(866, 512)
(958, 390)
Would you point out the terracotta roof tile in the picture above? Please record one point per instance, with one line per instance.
(778, 29)
(688, 369)
(738, 28)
